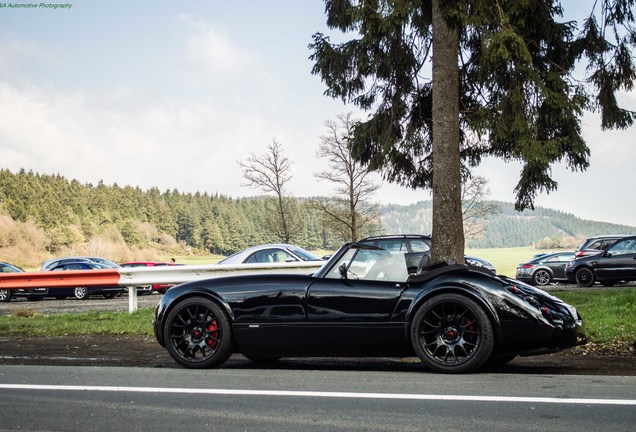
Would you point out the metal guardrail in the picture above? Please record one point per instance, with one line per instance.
(132, 277)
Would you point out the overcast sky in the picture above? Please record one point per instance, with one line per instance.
(172, 93)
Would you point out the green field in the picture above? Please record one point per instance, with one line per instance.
(506, 260)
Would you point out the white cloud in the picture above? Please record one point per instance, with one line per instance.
(210, 46)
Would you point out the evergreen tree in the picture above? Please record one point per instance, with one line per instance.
(502, 85)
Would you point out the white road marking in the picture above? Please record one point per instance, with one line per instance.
(318, 394)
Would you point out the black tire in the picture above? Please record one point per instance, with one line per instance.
(541, 277)
(452, 334)
(197, 333)
(5, 295)
(584, 277)
(80, 293)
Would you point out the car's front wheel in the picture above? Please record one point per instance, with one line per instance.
(584, 277)
(80, 293)
(197, 333)
(5, 295)
(541, 277)
(452, 334)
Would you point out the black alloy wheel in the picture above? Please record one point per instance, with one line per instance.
(452, 334)
(584, 277)
(541, 277)
(197, 333)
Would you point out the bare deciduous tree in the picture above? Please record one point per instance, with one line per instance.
(475, 208)
(269, 172)
(349, 211)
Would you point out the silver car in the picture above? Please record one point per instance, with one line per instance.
(271, 253)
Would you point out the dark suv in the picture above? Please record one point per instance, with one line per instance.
(414, 246)
(597, 244)
(615, 264)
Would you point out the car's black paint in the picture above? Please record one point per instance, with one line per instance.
(275, 316)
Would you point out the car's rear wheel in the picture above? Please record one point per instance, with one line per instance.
(584, 277)
(198, 334)
(452, 334)
(5, 295)
(541, 277)
(80, 293)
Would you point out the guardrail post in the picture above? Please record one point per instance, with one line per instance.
(132, 299)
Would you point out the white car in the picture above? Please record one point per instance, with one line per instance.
(271, 253)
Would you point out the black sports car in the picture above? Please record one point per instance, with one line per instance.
(363, 302)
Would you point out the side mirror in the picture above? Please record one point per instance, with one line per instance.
(343, 270)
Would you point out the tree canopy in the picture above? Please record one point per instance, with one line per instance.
(519, 94)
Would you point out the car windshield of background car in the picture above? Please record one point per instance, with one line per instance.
(419, 246)
(304, 255)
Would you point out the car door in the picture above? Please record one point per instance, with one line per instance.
(618, 262)
(352, 311)
(558, 262)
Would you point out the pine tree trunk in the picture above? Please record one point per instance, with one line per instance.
(448, 234)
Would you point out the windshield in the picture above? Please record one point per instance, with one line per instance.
(303, 254)
(370, 264)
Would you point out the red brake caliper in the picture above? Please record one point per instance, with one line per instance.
(214, 333)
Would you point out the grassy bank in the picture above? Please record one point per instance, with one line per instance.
(609, 316)
(26, 321)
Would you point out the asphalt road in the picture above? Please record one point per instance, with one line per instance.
(154, 399)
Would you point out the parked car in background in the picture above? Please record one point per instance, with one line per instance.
(271, 253)
(613, 265)
(597, 244)
(7, 294)
(48, 264)
(417, 245)
(149, 289)
(82, 293)
(545, 268)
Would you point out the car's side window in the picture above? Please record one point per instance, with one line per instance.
(566, 257)
(624, 248)
(270, 256)
(392, 245)
(419, 246)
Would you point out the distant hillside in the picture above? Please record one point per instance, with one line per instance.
(509, 228)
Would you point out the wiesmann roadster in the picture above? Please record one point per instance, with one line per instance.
(364, 302)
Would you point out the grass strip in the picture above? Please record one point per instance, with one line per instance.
(29, 322)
